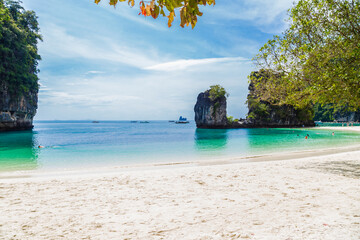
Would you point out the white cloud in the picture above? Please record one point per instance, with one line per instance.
(65, 98)
(95, 72)
(262, 11)
(44, 89)
(267, 15)
(182, 64)
(60, 43)
(124, 11)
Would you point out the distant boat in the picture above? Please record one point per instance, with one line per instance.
(317, 123)
(95, 121)
(182, 120)
(144, 122)
(171, 121)
(133, 121)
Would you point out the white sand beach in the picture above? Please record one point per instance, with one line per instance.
(353, 128)
(304, 198)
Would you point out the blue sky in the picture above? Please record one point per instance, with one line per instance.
(111, 64)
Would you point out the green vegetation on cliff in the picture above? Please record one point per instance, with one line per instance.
(262, 109)
(331, 112)
(216, 92)
(318, 56)
(19, 35)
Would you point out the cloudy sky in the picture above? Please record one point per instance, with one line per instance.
(111, 64)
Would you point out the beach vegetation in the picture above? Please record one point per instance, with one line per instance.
(231, 119)
(188, 9)
(19, 36)
(317, 59)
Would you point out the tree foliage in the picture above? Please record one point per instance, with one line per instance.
(317, 57)
(231, 119)
(264, 83)
(19, 35)
(217, 92)
(189, 9)
(331, 112)
(262, 109)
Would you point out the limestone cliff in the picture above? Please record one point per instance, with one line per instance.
(264, 114)
(17, 111)
(210, 113)
(331, 112)
(348, 116)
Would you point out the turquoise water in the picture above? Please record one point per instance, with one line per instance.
(83, 143)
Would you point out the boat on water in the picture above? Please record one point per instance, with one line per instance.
(95, 121)
(133, 121)
(182, 120)
(318, 123)
(171, 121)
(144, 122)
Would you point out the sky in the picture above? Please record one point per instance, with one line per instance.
(105, 63)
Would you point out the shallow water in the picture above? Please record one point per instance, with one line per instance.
(74, 144)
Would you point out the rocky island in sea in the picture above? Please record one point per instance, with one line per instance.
(210, 108)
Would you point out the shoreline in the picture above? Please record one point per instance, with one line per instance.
(105, 170)
(306, 197)
(350, 128)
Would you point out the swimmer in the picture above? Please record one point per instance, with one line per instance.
(40, 146)
(306, 137)
(333, 134)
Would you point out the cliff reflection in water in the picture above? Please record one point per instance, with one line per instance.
(18, 151)
(211, 139)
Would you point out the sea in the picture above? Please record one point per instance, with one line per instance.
(80, 144)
